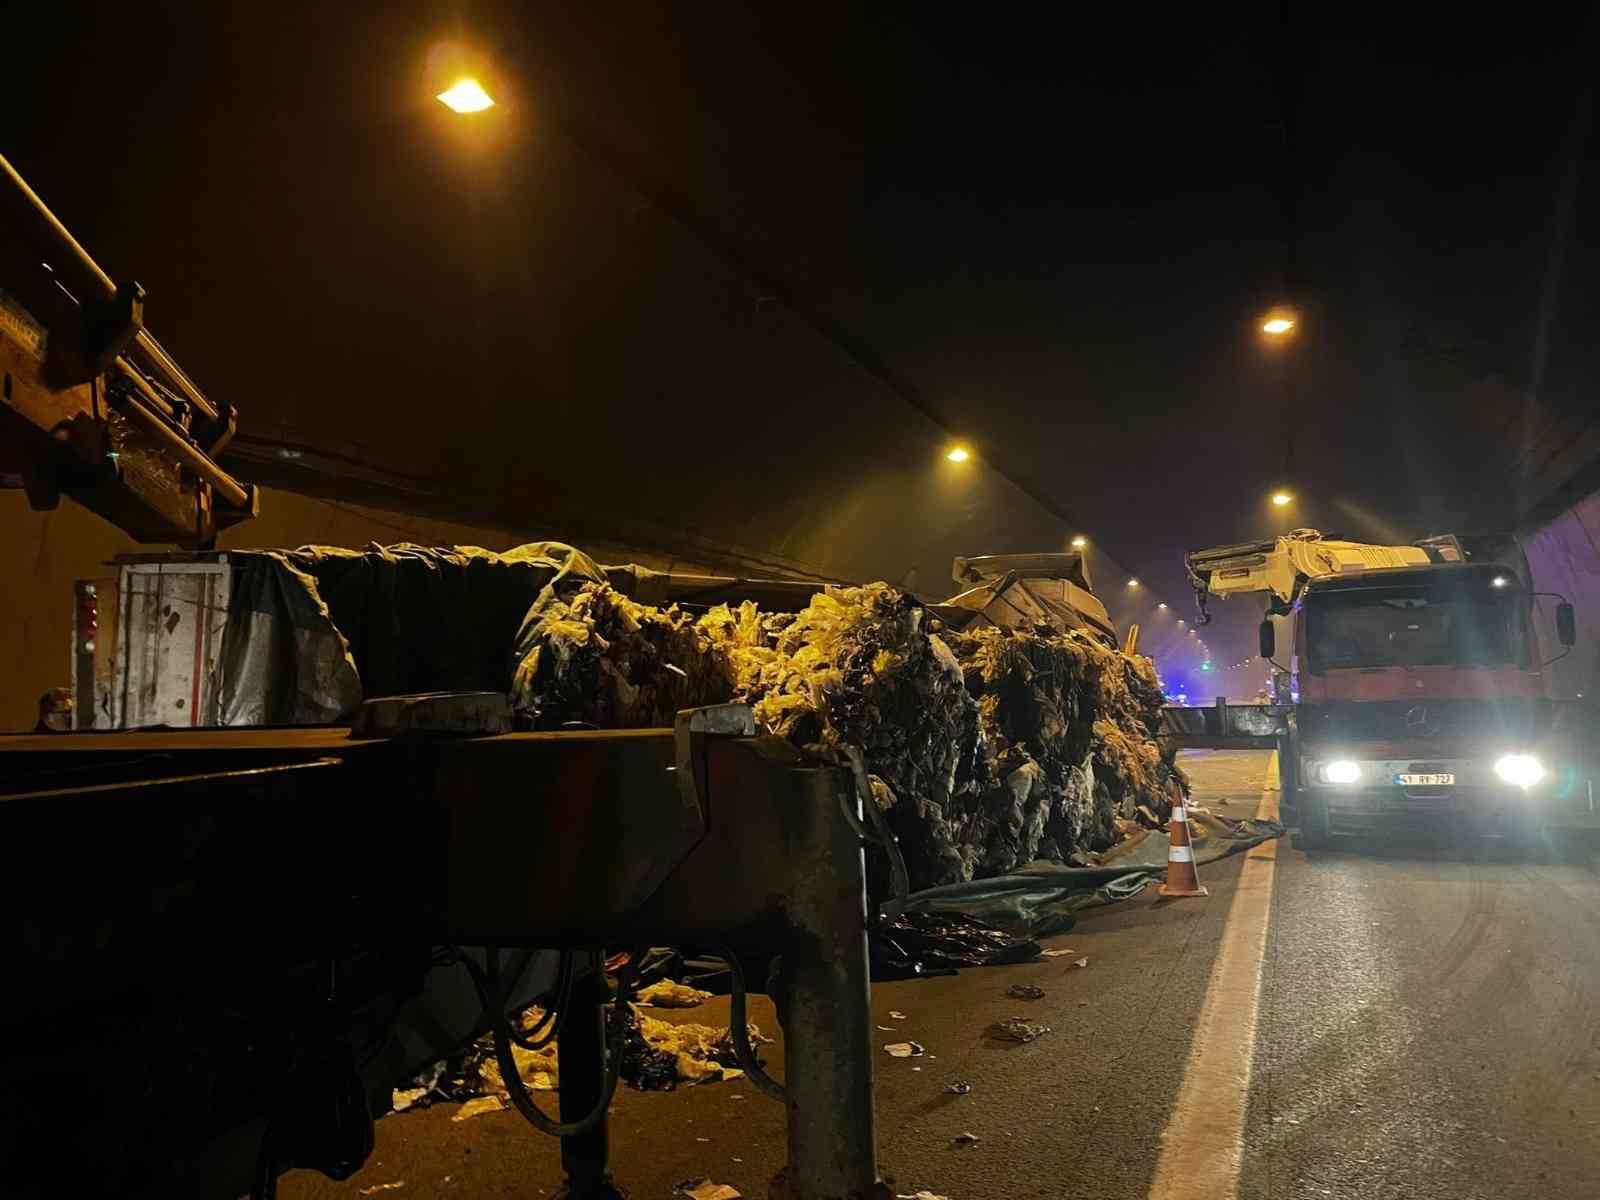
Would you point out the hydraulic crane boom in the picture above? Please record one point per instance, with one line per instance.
(1283, 566)
(91, 405)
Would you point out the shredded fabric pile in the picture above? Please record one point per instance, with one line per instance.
(1073, 726)
(657, 1056)
(987, 749)
(600, 659)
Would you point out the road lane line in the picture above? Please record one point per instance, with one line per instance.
(1203, 1145)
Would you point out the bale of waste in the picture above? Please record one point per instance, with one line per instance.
(597, 658)
(986, 749)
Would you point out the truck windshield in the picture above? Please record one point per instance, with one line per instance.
(1417, 626)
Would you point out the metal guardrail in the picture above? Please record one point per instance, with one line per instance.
(1224, 726)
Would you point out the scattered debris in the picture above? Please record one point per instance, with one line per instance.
(383, 1187)
(704, 1189)
(922, 1195)
(960, 1088)
(1081, 962)
(1056, 953)
(404, 1098)
(657, 1056)
(475, 1108)
(664, 993)
(896, 1016)
(913, 944)
(888, 1028)
(905, 1049)
(1025, 991)
(702, 1139)
(1018, 1029)
(966, 1139)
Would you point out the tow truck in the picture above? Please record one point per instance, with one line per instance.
(1419, 692)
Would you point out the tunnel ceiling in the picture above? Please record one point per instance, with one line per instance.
(747, 275)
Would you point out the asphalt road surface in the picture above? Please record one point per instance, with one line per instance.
(1391, 1021)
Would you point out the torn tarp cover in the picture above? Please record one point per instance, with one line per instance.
(314, 631)
(1042, 898)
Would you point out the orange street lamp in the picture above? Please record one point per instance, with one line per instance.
(465, 96)
(1279, 323)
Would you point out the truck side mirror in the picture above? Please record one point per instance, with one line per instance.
(1566, 624)
(1268, 642)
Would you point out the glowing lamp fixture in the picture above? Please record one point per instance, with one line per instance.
(1162, 605)
(1079, 542)
(1340, 770)
(1519, 770)
(465, 96)
(1277, 326)
(958, 454)
(1498, 581)
(1282, 498)
(1133, 583)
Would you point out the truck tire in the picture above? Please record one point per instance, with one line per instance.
(1314, 834)
(1288, 780)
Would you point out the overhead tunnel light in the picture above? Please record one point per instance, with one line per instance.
(466, 96)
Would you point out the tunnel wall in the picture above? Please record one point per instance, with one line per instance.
(1564, 553)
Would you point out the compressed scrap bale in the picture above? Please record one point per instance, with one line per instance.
(859, 666)
(986, 750)
(600, 659)
(1073, 724)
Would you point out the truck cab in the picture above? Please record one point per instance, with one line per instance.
(1422, 702)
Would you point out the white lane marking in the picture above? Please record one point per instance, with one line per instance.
(1203, 1145)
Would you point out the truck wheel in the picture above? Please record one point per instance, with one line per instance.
(1288, 783)
(1314, 834)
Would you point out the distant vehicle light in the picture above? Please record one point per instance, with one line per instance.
(1340, 770)
(1519, 770)
(465, 96)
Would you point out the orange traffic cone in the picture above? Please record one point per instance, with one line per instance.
(1182, 880)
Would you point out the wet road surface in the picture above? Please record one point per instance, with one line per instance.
(1430, 1026)
(1427, 1026)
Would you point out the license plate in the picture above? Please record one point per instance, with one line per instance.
(1441, 780)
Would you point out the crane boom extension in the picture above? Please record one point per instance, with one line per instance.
(1284, 565)
(92, 406)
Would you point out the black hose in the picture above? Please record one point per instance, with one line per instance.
(522, 1101)
(739, 1033)
(555, 1016)
(900, 878)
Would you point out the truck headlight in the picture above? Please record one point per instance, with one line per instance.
(1340, 770)
(1519, 770)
